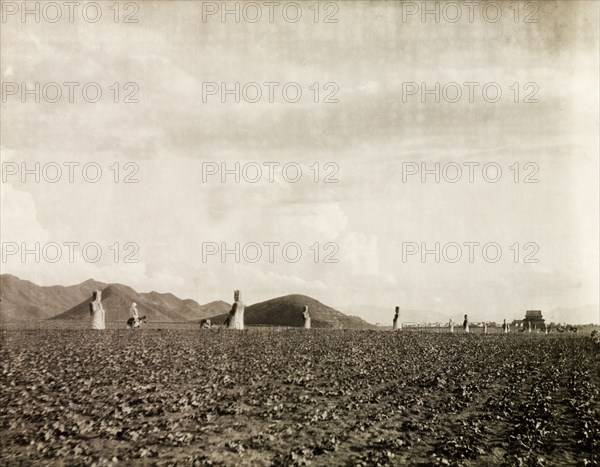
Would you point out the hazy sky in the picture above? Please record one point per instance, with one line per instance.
(371, 133)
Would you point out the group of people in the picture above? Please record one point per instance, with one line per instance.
(98, 313)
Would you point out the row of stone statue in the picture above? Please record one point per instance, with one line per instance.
(466, 324)
(98, 314)
(235, 320)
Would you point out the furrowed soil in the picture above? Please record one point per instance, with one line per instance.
(298, 397)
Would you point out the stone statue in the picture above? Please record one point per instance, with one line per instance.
(97, 311)
(306, 317)
(236, 315)
(466, 324)
(396, 316)
(133, 312)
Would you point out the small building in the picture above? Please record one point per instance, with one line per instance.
(517, 324)
(535, 318)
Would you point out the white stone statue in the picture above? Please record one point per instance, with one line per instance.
(306, 317)
(133, 311)
(97, 311)
(236, 315)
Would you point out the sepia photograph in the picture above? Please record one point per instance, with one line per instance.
(300, 233)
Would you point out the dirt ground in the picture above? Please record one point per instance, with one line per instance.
(298, 397)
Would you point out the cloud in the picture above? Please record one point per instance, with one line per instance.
(368, 134)
(359, 254)
(19, 217)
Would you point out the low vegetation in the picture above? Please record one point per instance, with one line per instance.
(295, 397)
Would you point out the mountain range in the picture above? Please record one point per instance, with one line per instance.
(287, 311)
(22, 300)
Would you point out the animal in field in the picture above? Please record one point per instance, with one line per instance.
(206, 324)
(567, 328)
(133, 323)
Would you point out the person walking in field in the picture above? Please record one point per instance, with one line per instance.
(97, 311)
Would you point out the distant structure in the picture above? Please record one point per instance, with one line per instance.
(306, 317)
(236, 315)
(533, 320)
(466, 324)
(451, 324)
(97, 311)
(396, 316)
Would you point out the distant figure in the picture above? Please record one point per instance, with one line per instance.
(451, 324)
(466, 324)
(306, 317)
(528, 326)
(97, 311)
(396, 316)
(236, 315)
(205, 324)
(485, 327)
(505, 327)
